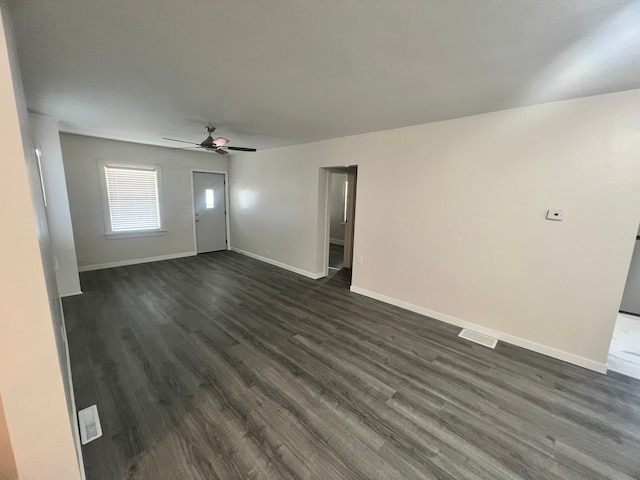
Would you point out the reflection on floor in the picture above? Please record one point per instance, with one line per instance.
(624, 354)
(336, 256)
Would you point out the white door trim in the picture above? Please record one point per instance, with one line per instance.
(226, 206)
(326, 218)
(324, 213)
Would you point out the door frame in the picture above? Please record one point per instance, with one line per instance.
(226, 205)
(324, 213)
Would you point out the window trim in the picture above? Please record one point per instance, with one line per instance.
(106, 213)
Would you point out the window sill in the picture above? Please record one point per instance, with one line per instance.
(134, 234)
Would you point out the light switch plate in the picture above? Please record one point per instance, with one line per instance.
(554, 214)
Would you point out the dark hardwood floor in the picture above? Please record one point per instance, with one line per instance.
(222, 367)
(336, 256)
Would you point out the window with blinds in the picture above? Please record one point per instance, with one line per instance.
(133, 198)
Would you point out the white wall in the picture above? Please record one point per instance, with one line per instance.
(336, 206)
(81, 167)
(47, 136)
(273, 205)
(460, 229)
(35, 385)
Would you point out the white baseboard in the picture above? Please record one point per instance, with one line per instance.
(135, 261)
(299, 271)
(336, 241)
(63, 295)
(504, 337)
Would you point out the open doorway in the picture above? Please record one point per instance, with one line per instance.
(341, 197)
(624, 352)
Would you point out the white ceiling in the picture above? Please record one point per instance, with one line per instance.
(279, 72)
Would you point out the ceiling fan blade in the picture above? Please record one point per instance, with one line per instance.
(176, 140)
(242, 149)
(221, 151)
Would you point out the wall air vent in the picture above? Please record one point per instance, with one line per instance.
(484, 340)
(90, 428)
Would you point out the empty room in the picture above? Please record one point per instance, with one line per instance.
(345, 240)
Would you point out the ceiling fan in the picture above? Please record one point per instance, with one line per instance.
(217, 145)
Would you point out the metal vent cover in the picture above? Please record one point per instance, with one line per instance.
(482, 339)
(89, 422)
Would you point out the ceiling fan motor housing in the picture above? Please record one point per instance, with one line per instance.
(207, 142)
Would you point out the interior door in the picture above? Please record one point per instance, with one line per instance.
(210, 211)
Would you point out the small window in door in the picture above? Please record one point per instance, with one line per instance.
(208, 198)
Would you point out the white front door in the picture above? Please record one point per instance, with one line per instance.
(210, 211)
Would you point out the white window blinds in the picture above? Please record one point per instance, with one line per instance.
(133, 198)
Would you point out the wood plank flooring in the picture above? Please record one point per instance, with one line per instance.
(222, 367)
(336, 256)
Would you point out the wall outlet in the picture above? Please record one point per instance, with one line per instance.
(360, 260)
(268, 252)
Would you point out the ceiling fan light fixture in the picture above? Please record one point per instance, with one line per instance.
(218, 145)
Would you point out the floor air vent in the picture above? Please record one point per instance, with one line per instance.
(480, 338)
(90, 428)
